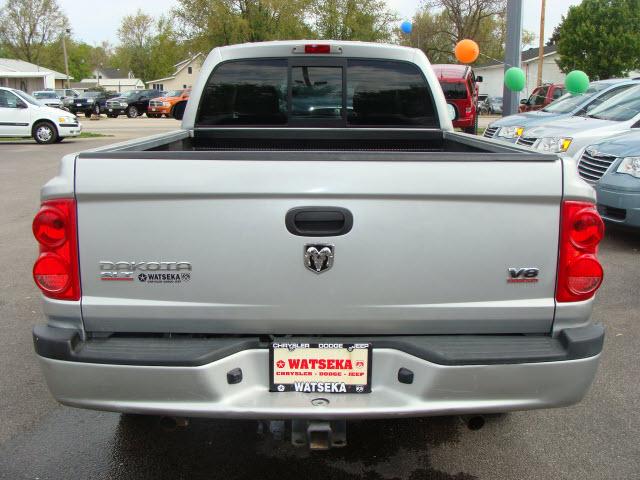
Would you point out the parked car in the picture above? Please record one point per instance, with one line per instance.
(541, 97)
(482, 98)
(164, 105)
(22, 115)
(278, 262)
(48, 98)
(67, 95)
(132, 104)
(511, 127)
(617, 115)
(90, 102)
(460, 87)
(612, 166)
(494, 105)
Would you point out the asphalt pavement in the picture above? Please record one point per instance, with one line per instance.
(39, 439)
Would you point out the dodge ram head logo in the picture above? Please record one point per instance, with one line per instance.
(318, 257)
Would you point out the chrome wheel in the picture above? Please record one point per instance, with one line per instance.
(133, 112)
(44, 133)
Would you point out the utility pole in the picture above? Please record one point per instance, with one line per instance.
(512, 53)
(64, 52)
(541, 51)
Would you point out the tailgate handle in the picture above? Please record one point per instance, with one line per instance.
(319, 221)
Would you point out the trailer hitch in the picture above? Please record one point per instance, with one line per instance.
(319, 435)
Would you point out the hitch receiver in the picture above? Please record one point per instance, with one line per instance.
(319, 435)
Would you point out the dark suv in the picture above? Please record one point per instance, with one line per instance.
(89, 102)
(133, 103)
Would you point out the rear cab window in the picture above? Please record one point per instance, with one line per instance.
(318, 92)
(454, 90)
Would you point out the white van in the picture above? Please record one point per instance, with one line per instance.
(21, 115)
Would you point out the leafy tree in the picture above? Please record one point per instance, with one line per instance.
(83, 58)
(601, 37)
(555, 36)
(438, 26)
(135, 35)
(205, 24)
(431, 34)
(466, 17)
(364, 20)
(27, 26)
(165, 50)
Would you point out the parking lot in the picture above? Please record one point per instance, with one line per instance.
(597, 439)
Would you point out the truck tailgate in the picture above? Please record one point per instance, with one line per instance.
(429, 252)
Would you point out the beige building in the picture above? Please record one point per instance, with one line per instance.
(184, 76)
(28, 77)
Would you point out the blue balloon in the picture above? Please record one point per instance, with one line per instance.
(406, 26)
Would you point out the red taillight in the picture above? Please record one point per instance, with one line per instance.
(49, 227)
(317, 48)
(56, 270)
(579, 272)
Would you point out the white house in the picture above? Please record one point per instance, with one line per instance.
(493, 72)
(112, 79)
(184, 75)
(28, 77)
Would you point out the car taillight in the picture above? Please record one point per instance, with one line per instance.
(317, 48)
(579, 272)
(56, 271)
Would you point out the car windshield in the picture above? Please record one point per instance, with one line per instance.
(90, 94)
(496, 100)
(26, 97)
(620, 108)
(568, 102)
(129, 94)
(44, 95)
(454, 91)
(174, 93)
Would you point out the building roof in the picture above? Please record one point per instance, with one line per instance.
(14, 66)
(527, 56)
(178, 67)
(113, 73)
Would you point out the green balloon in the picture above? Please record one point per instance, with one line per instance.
(576, 82)
(514, 79)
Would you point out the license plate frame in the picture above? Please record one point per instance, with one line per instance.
(321, 380)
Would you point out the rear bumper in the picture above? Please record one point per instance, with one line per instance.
(464, 122)
(184, 380)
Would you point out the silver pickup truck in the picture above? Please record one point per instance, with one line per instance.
(317, 244)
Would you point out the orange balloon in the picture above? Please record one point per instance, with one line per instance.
(467, 51)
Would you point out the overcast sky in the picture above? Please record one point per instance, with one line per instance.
(94, 21)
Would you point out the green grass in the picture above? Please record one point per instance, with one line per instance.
(82, 135)
(93, 135)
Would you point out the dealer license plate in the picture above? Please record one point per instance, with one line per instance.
(320, 367)
(153, 109)
(111, 109)
(78, 104)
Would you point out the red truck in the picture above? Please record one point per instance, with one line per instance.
(542, 96)
(460, 87)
